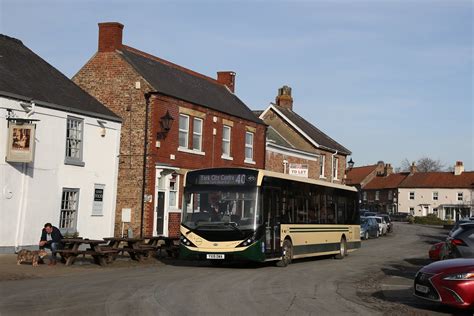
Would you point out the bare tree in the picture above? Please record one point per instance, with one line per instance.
(424, 164)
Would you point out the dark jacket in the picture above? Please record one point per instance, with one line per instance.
(56, 235)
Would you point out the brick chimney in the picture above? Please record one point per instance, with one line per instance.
(388, 169)
(380, 169)
(284, 98)
(227, 78)
(458, 168)
(413, 168)
(110, 36)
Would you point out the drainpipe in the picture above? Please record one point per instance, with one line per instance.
(145, 153)
(332, 166)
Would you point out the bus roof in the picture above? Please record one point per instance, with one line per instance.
(266, 173)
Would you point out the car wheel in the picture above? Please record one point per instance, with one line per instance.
(342, 249)
(366, 235)
(287, 254)
(377, 234)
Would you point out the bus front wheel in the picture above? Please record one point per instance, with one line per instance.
(342, 249)
(287, 254)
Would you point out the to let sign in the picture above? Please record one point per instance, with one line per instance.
(298, 169)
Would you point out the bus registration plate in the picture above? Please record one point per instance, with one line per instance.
(215, 256)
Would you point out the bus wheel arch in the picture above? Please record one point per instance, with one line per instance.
(287, 253)
(342, 248)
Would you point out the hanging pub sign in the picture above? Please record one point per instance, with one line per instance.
(21, 142)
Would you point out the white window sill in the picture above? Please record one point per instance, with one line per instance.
(191, 151)
(322, 177)
(227, 157)
(251, 162)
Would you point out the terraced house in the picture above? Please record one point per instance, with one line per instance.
(174, 120)
(297, 147)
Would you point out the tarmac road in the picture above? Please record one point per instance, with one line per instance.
(374, 280)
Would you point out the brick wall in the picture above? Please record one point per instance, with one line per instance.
(113, 82)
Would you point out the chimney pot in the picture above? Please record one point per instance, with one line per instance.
(284, 98)
(110, 36)
(227, 78)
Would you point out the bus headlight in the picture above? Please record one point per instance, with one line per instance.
(247, 242)
(186, 242)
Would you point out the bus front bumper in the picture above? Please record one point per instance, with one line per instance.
(250, 253)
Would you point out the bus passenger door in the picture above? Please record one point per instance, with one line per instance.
(272, 222)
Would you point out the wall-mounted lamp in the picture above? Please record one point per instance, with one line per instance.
(350, 163)
(165, 122)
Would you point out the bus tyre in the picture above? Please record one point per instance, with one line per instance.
(342, 249)
(287, 254)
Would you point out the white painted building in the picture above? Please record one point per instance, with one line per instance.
(59, 152)
(449, 195)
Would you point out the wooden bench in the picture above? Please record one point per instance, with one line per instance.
(101, 257)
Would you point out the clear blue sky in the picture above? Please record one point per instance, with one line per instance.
(387, 79)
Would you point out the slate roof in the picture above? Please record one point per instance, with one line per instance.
(439, 180)
(391, 181)
(178, 82)
(274, 137)
(309, 129)
(357, 174)
(26, 76)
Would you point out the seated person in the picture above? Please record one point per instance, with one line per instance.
(51, 239)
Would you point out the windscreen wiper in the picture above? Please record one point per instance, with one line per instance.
(234, 226)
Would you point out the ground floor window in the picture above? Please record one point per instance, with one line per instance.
(69, 206)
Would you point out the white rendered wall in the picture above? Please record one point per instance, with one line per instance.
(425, 197)
(30, 194)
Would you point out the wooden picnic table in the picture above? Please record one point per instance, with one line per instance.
(169, 244)
(71, 250)
(134, 246)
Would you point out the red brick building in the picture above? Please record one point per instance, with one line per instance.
(174, 120)
(295, 146)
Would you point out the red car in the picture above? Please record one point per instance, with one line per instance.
(449, 282)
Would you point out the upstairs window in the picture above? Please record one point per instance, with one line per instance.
(364, 196)
(197, 134)
(321, 169)
(183, 130)
(335, 168)
(390, 195)
(435, 196)
(460, 196)
(248, 147)
(226, 132)
(412, 195)
(377, 195)
(74, 141)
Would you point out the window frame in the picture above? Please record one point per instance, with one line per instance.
(435, 196)
(335, 168)
(460, 196)
(410, 195)
(249, 146)
(197, 119)
(181, 130)
(322, 166)
(68, 159)
(63, 210)
(226, 141)
(377, 195)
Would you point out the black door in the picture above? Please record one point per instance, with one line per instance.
(271, 199)
(160, 212)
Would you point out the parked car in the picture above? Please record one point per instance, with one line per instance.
(367, 213)
(388, 220)
(368, 228)
(459, 222)
(449, 282)
(382, 225)
(461, 243)
(438, 251)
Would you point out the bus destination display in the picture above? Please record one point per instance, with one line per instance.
(226, 179)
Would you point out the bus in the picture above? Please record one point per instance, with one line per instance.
(231, 214)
